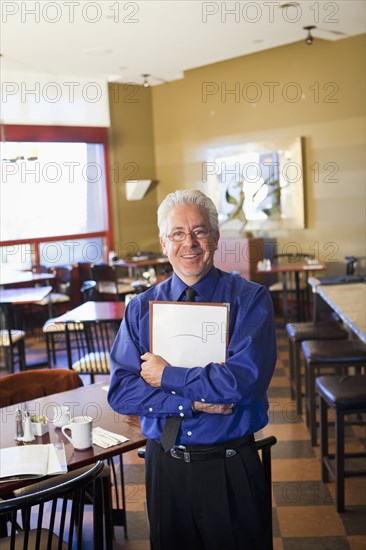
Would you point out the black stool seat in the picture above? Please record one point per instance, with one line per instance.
(321, 330)
(336, 355)
(299, 332)
(322, 351)
(346, 392)
(344, 395)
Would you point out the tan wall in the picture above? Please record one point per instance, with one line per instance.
(132, 157)
(186, 126)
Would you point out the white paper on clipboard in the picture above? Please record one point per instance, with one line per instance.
(189, 334)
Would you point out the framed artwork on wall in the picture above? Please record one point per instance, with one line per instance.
(259, 185)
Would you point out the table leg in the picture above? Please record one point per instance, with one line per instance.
(284, 297)
(297, 290)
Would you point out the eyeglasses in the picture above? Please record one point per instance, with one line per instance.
(179, 236)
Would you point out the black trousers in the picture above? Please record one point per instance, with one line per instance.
(217, 504)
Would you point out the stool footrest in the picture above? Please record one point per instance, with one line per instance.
(328, 462)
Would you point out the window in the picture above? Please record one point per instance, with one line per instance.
(54, 200)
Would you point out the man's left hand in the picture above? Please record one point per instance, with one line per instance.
(152, 369)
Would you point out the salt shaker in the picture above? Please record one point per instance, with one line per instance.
(18, 425)
(28, 432)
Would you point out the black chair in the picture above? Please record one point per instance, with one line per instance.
(45, 526)
(264, 445)
(87, 290)
(12, 339)
(108, 287)
(276, 289)
(300, 332)
(61, 293)
(88, 349)
(324, 357)
(85, 272)
(54, 333)
(344, 395)
(355, 265)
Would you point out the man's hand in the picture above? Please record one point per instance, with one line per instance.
(212, 408)
(152, 369)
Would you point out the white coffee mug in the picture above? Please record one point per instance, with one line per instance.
(62, 415)
(81, 432)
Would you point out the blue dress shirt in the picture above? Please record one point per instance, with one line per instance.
(243, 379)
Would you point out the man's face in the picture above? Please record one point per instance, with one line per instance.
(192, 257)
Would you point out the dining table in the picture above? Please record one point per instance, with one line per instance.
(284, 268)
(136, 265)
(90, 401)
(16, 277)
(348, 300)
(22, 296)
(92, 312)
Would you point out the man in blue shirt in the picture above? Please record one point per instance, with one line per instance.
(204, 481)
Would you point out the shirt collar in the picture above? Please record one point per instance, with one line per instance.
(205, 287)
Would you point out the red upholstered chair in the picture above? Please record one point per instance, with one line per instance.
(15, 388)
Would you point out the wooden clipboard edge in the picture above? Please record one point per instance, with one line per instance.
(222, 304)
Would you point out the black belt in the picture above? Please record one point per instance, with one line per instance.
(223, 450)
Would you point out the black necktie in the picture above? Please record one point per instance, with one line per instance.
(172, 424)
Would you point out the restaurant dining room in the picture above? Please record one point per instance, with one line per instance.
(154, 154)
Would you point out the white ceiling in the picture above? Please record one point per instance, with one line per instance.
(121, 40)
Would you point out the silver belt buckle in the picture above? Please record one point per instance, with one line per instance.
(173, 453)
(229, 453)
(182, 449)
(187, 456)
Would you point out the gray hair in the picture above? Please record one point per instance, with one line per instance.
(183, 197)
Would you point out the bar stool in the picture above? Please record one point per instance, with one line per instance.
(298, 333)
(344, 395)
(334, 355)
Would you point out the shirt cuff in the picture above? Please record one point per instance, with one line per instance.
(173, 379)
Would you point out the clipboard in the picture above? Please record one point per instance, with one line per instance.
(189, 334)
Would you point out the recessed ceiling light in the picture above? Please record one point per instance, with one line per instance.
(97, 51)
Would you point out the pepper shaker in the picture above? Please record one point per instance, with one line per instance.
(19, 433)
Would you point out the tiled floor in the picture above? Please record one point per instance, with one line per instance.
(304, 515)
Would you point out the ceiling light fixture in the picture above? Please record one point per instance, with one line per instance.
(289, 5)
(309, 39)
(145, 83)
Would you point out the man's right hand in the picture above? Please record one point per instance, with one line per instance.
(212, 408)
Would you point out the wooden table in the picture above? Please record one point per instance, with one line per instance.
(89, 401)
(136, 264)
(141, 265)
(292, 267)
(348, 301)
(94, 311)
(14, 277)
(24, 295)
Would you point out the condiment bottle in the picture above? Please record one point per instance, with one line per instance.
(19, 433)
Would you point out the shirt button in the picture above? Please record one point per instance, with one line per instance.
(181, 414)
(173, 392)
(180, 407)
(150, 409)
(189, 433)
(203, 400)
